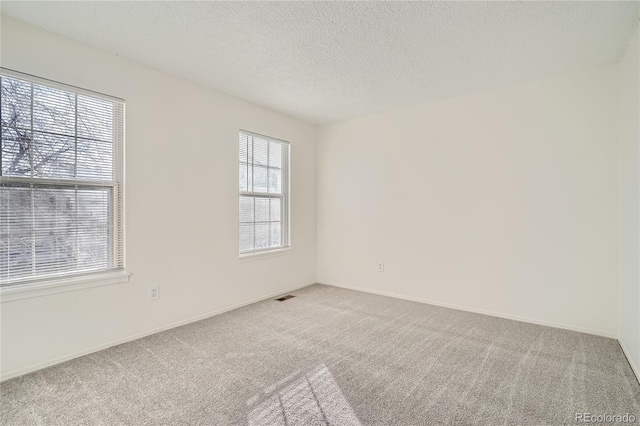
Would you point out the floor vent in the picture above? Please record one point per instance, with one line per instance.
(287, 297)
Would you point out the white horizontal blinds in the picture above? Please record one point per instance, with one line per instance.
(61, 174)
(264, 175)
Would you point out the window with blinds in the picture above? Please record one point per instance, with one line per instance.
(61, 181)
(264, 193)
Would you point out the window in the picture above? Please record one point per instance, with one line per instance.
(264, 193)
(61, 181)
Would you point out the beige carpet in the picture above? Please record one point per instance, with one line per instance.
(334, 357)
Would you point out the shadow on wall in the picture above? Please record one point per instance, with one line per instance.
(312, 398)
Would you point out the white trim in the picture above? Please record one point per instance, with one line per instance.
(58, 85)
(632, 363)
(47, 182)
(258, 135)
(61, 285)
(263, 254)
(476, 311)
(38, 366)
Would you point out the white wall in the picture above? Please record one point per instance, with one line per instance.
(629, 89)
(181, 215)
(503, 202)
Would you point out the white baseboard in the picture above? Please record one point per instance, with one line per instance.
(477, 311)
(632, 363)
(38, 366)
(29, 369)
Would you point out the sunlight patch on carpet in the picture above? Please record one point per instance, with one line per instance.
(311, 398)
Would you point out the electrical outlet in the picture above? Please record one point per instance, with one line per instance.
(154, 292)
(380, 266)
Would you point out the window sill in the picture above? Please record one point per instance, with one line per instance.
(61, 285)
(259, 255)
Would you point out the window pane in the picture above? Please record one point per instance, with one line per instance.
(54, 209)
(55, 251)
(53, 156)
(93, 249)
(53, 110)
(246, 209)
(16, 145)
(16, 210)
(95, 159)
(275, 209)
(94, 229)
(276, 234)
(245, 178)
(260, 151)
(16, 103)
(262, 209)
(262, 235)
(95, 118)
(275, 181)
(55, 230)
(275, 154)
(15, 232)
(93, 208)
(16, 257)
(245, 149)
(246, 237)
(260, 179)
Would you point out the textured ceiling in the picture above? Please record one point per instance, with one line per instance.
(323, 61)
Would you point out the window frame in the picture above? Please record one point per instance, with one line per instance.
(285, 202)
(55, 282)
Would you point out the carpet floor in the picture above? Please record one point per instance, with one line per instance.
(337, 357)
